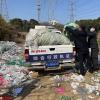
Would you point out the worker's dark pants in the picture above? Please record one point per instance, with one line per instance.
(94, 58)
(83, 59)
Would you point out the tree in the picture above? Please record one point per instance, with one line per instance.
(17, 23)
(90, 23)
(59, 26)
(7, 32)
(2, 21)
(33, 23)
(26, 26)
(23, 25)
(98, 18)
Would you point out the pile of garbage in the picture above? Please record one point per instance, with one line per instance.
(12, 75)
(79, 84)
(38, 37)
(5, 46)
(9, 50)
(68, 86)
(12, 65)
(88, 87)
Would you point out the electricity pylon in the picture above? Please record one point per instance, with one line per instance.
(4, 9)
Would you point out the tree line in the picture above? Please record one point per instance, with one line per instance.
(90, 23)
(9, 30)
(23, 25)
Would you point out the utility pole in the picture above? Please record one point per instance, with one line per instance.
(3, 9)
(38, 10)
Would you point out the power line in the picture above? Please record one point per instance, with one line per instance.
(89, 11)
(91, 14)
(87, 7)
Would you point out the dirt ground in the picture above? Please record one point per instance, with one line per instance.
(47, 89)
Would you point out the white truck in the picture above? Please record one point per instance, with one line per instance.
(49, 57)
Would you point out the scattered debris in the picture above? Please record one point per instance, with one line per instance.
(33, 74)
(60, 90)
(13, 72)
(15, 76)
(78, 78)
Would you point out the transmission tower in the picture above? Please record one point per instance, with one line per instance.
(4, 9)
(51, 9)
(38, 10)
(72, 10)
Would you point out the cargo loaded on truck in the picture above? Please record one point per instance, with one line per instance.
(43, 51)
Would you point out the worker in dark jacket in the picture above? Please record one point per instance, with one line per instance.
(92, 40)
(81, 45)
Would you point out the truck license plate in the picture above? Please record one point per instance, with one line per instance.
(52, 64)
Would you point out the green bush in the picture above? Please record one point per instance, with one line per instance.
(99, 42)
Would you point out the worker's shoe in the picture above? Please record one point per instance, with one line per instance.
(96, 69)
(82, 73)
(90, 70)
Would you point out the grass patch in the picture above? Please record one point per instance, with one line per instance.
(98, 42)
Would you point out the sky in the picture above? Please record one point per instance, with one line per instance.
(53, 9)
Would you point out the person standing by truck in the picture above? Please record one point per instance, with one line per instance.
(81, 45)
(92, 40)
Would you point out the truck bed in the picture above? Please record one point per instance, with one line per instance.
(50, 57)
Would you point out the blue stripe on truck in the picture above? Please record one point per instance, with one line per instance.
(47, 57)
